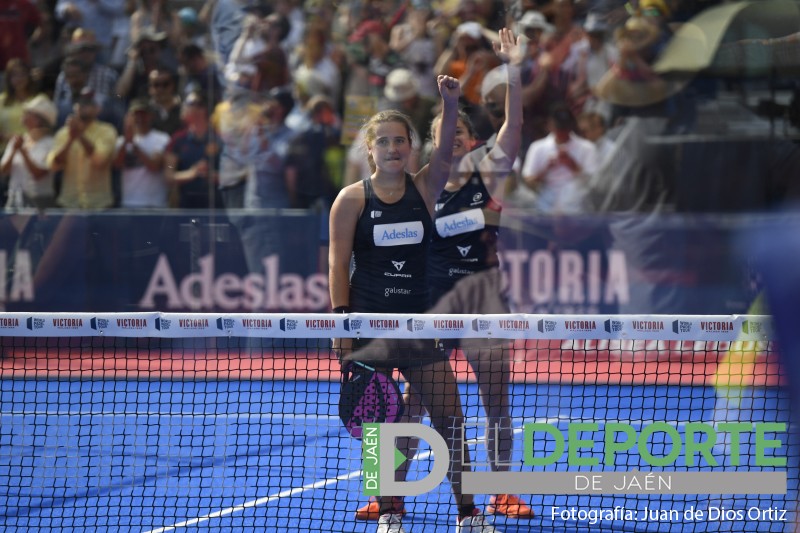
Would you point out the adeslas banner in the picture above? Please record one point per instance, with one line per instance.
(275, 261)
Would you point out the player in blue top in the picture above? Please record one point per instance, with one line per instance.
(384, 225)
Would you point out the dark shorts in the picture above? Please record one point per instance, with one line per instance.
(397, 353)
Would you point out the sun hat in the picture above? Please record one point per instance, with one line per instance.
(535, 20)
(43, 107)
(401, 84)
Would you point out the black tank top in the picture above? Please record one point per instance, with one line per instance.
(465, 235)
(390, 251)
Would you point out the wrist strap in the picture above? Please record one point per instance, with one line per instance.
(342, 309)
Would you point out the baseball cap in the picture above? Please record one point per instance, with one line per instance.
(82, 39)
(188, 15)
(87, 96)
(140, 104)
(150, 35)
(595, 24)
(283, 96)
(659, 5)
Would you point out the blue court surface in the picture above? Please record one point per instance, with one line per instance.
(155, 455)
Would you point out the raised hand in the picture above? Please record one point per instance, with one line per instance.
(16, 142)
(201, 169)
(480, 61)
(75, 126)
(449, 89)
(509, 49)
(128, 128)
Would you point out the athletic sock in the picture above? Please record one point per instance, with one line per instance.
(391, 505)
(465, 510)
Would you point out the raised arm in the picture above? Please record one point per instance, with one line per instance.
(512, 52)
(432, 178)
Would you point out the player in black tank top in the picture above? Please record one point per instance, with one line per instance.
(464, 266)
(465, 235)
(388, 136)
(389, 253)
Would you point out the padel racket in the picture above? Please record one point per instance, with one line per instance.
(367, 395)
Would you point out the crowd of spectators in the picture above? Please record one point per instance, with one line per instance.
(255, 103)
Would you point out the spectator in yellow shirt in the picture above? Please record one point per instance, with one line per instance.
(83, 150)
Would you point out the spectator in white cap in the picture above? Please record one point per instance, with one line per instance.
(315, 57)
(158, 16)
(533, 24)
(307, 85)
(30, 182)
(493, 97)
(402, 93)
(596, 56)
(468, 58)
(145, 56)
(535, 73)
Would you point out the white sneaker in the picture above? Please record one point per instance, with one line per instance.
(391, 523)
(477, 523)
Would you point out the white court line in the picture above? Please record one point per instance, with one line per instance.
(292, 492)
(256, 503)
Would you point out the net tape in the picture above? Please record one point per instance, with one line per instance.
(401, 326)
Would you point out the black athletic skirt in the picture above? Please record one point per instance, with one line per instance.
(397, 353)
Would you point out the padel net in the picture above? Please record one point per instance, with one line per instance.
(641, 423)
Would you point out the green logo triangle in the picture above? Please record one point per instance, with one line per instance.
(399, 458)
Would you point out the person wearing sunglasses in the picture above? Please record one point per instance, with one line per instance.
(144, 57)
(191, 159)
(162, 87)
(659, 14)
